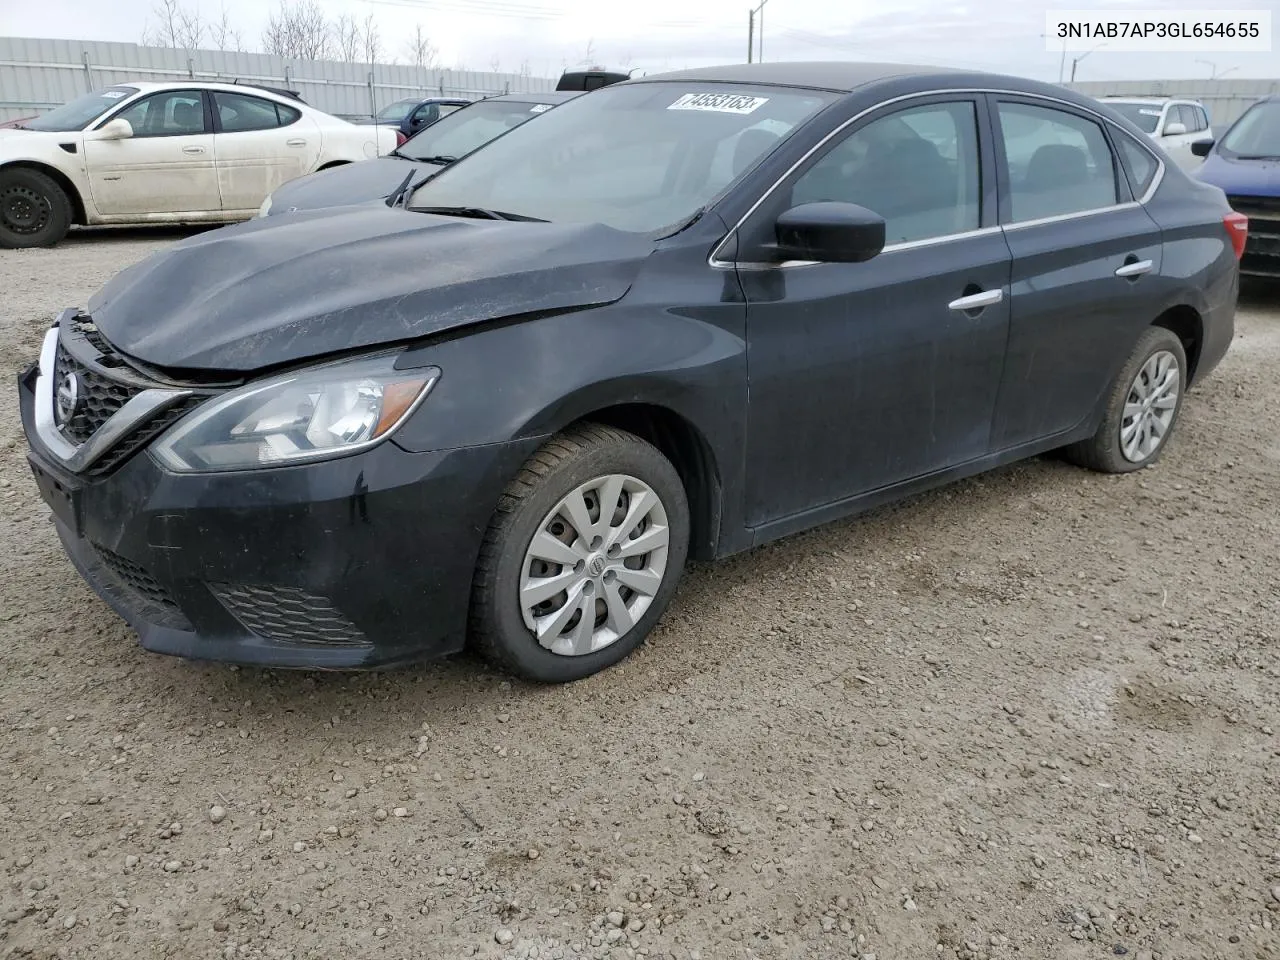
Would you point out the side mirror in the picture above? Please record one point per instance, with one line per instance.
(1201, 148)
(1175, 129)
(117, 129)
(829, 232)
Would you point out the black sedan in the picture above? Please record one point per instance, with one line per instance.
(682, 316)
(442, 143)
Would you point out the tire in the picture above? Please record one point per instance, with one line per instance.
(535, 502)
(34, 210)
(1105, 451)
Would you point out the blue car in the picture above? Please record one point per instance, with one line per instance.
(1245, 164)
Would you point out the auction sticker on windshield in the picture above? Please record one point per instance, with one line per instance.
(540, 108)
(719, 102)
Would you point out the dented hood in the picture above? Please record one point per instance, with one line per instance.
(286, 288)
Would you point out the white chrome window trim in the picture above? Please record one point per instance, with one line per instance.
(713, 259)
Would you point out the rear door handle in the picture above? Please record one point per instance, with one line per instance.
(976, 301)
(297, 142)
(193, 149)
(1135, 269)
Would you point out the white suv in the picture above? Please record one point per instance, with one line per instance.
(1174, 124)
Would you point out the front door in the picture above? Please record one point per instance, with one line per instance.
(258, 145)
(166, 167)
(865, 375)
(1084, 259)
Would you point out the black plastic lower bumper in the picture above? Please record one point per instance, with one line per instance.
(360, 562)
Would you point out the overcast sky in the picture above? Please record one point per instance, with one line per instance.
(653, 35)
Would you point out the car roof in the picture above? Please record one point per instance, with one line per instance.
(835, 76)
(544, 96)
(148, 86)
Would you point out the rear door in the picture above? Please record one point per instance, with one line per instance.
(165, 167)
(258, 145)
(1084, 259)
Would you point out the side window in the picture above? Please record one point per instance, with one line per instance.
(239, 114)
(174, 113)
(1058, 163)
(287, 115)
(1140, 165)
(917, 168)
(1204, 118)
(447, 108)
(1187, 117)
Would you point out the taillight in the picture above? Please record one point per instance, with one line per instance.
(400, 139)
(1237, 225)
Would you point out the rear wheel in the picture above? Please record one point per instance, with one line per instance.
(34, 210)
(1142, 407)
(582, 556)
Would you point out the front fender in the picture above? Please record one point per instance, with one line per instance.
(532, 378)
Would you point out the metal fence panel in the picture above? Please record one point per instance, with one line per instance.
(1224, 99)
(38, 74)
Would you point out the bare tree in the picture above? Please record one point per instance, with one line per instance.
(371, 40)
(346, 38)
(419, 50)
(298, 29)
(225, 36)
(589, 56)
(191, 29)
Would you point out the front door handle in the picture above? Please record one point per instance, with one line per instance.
(297, 142)
(1135, 269)
(977, 301)
(193, 149)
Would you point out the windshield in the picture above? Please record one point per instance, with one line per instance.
(459, 133)
(1144, 115)
(1256, 133)
(77, 114)
(639, 157)
(397, 111)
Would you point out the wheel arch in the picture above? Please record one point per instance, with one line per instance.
(681, 442)
(1185, 322)
(331, 164)
(78, 210)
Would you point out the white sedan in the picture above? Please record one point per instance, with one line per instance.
(182, 151)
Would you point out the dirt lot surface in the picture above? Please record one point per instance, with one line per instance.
(1033, 715)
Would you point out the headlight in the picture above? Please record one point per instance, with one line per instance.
(326, 411)
(266, 207)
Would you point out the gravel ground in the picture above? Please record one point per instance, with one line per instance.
(1031, 715)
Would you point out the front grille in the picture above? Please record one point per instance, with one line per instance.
(137, 589)
(143, 434)
(288, 615)
(99, 397)
(1256, 206)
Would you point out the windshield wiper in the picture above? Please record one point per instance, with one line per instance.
(478, 213)
(1257, 156)
(438, 161)
(401, 191)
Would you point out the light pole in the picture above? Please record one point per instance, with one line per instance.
(1075, 61)
(1213, 69)
(1062, 61)
(751, 30)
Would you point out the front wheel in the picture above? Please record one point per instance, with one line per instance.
(34, 210)
(582, 556)
(1142, 407)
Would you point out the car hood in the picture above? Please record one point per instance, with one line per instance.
(276, 290)
(1259, 178)
(13, 138)
(349, 183)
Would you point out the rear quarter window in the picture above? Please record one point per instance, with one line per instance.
(1139, 165)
